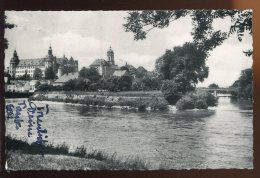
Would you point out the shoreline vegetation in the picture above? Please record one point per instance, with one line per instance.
(132, 100)
(79, 159)
(141, 101)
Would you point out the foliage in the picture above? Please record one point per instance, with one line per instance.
(75, 84)
(201, 104)
(244, 85)
(7, 26)
(49, 73)
(124, 83)
(213, 85)
(25, 76)
(37, 74)
(145, 84)
(66, 68)
(171, 91)
(185, 66)
(93, 87)
(89, 73)
(140, 72)
(196, 99)
(44, 87)
(186, 102)
(204, 36)
(158, 103)
(70, 85)
(150, 83)
(183, 62)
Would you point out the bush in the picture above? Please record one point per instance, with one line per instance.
(171, 91)
(158, 103)
(210, 99)
(201, 104)
(186, 102)
(197, 99)
(93, 87)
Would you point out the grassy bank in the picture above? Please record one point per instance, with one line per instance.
(25, 156)
(135, 100)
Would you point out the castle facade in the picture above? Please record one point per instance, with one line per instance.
(18, 67)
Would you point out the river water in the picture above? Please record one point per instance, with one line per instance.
(220, 137)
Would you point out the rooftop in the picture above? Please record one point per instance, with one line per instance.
(99, 62)
(120, 73)
(66, 77)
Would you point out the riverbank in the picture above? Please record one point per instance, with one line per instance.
(152, 100)
(24, 156)
(17, 94)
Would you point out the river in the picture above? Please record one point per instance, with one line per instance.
(220, 137)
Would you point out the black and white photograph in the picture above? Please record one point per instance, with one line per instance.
(128, 90)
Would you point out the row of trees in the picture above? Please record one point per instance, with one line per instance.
(90, 80)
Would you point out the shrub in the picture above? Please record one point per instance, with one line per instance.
(158, 103)
(171, 91)
(197, 99)
(210, 99)
(186, 102)
(93, 87)
(201, 104)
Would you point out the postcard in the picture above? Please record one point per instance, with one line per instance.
(128, 90)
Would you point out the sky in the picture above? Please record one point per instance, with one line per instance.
(87, 35)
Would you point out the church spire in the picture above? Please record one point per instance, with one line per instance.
(110, 56)
(50, 51)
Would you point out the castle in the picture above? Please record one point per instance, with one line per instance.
(18, 67)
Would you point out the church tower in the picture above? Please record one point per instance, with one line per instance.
(49, 59)
(13, 63)
(110, 56)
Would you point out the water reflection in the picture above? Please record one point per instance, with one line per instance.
(219, 137)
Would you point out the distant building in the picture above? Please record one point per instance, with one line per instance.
(21, 86)
(106, 68)
(120, 73)
(18, 67)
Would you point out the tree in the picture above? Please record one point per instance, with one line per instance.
(140, 72)
(151, 83)
(185, 66)
(204, 36)
(49, 73)
(172, 91)
(89, 73)
(125, 83)
(37, 74)
(213, 85)
(243, 85)
(70, 85)
(81, 84)
(25, 76)
(7, 26)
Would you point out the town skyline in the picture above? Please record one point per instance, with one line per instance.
(84, 43)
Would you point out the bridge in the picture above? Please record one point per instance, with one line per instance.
(219, 92)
